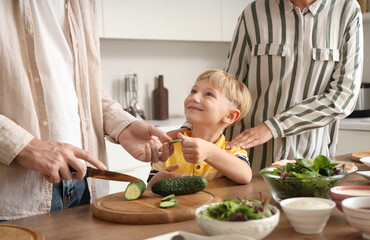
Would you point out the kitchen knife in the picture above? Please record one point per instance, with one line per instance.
(108, 175)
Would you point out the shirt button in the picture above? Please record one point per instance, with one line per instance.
(197, 167)
(44, 123)
(36, 79)
(30, 31)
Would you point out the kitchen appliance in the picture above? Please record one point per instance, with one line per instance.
(131, 95)
(362, 108)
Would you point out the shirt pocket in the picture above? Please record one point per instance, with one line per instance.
(325, 54)
(275, 49)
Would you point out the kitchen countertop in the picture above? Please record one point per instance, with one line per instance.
(176, 121)
(360, 124)
(79, 222)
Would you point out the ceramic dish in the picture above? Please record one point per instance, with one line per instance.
(358, 155)
(192, 236)
(307, 215)
(357, 213)
(257, 229)
(339, 193)
(365, 174)
(366, 161)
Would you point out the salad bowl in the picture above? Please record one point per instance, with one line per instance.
(254, 228)
(303, 179)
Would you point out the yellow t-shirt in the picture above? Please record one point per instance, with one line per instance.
(198, 169)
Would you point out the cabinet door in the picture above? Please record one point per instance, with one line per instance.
(230, 12)
(135, 19)
(197, 20)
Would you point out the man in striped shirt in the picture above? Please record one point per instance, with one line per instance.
(302, 62)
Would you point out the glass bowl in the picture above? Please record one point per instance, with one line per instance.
(291, 187)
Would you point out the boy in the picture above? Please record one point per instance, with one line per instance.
(216, 101)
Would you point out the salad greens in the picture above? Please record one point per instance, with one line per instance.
(303, 168)
(303, 178)
(233, 210)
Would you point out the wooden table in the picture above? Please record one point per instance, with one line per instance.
(79, 223)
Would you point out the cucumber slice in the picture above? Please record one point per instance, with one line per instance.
(167, 204)
(168, 198)
(134, 190)
(174, 200)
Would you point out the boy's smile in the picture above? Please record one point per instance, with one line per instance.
(206, 104)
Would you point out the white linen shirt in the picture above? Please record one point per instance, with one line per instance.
(55, 62)
(23, 111)
(303, 69)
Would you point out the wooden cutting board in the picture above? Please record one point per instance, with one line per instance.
(358, 155)
(17, 232)
(146, 210)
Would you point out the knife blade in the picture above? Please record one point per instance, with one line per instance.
(108, 175)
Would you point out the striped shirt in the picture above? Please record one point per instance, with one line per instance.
(303, 69)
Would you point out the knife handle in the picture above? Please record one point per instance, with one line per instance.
(73, 171)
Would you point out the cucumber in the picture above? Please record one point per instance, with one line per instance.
(179, 185)
(168, 198)
(174, 200)
(134, 190)
(167, 204)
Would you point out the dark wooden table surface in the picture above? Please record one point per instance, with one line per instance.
(79, 223)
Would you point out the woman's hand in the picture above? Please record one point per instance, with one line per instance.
(251, 137)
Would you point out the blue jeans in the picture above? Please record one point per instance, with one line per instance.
(71, 193)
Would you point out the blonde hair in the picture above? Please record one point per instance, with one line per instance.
(235, 91)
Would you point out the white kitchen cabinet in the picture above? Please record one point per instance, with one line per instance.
(190, 20)
(350, 141)
(197, 20)
(135, 19)
(230, 12)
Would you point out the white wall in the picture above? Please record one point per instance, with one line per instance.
(179, 62)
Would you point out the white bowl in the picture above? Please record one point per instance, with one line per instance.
(308, 215)
(357, 217)
(366, 161)
(256, 229)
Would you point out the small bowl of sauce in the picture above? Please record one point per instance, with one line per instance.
(357, 213)
(308, 215)
(339, 193)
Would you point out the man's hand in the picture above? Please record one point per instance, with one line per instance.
(251, 137)
(144, 142)
(165, 173)
(52, 160)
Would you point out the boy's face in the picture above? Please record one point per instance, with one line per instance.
(206, 104)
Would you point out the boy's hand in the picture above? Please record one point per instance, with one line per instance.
(174, 133)
(165, 173)
(195, 150)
